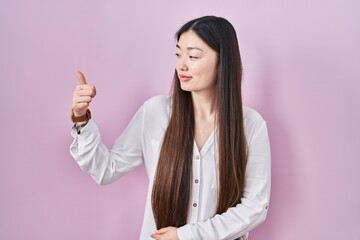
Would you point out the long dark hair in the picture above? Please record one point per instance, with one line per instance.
(172, 184)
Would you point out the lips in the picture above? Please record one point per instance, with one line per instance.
(184, 78)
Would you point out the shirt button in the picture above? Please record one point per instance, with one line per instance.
(198, 157)
(194, 205)
(196, 181)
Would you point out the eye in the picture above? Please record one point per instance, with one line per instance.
(193, 57)
(177, 55)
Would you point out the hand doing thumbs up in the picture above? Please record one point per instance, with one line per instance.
(82, 96)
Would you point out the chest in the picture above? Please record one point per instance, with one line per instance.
(203, 131)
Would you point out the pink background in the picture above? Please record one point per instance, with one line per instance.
(301, 61)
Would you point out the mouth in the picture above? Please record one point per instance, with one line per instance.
(184, 78)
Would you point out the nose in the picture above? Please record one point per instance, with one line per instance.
(182, 64)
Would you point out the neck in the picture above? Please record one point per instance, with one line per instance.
(204, 105)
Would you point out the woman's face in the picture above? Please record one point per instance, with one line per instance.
(196, 64)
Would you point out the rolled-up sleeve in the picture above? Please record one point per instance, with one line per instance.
(107, 165)
(239, 220)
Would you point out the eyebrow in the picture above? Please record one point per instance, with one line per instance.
(190, 48)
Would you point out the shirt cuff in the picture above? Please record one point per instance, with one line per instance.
(89, 126)
(80, 140)
(185, 233)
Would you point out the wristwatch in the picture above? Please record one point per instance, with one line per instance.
(83, 118)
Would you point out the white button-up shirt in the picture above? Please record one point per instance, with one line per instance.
(141, 142)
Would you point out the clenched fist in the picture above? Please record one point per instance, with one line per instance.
(83, 95)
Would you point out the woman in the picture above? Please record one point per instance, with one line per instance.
(207, 157)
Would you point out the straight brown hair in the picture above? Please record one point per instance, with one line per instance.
(173, 178)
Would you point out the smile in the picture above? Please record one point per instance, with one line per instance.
(184, 78)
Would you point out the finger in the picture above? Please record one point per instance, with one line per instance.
(161, 231)
(84, 92)
(80, 107)
(82, 99)
(81, 77)
(155, 236)
(87, 87)
(157, 233)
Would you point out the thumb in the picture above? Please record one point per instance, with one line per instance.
(81, 77)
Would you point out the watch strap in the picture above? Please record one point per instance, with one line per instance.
(82, 118)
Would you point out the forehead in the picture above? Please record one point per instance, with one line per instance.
(190, 39)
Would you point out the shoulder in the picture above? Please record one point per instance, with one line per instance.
(251, 115)
(157, 102)
(156, 110)
(254, 123)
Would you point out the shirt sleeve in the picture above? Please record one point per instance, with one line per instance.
(239, 220)
(103, 164)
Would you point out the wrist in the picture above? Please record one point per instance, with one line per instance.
(80, 119)
(78, 114)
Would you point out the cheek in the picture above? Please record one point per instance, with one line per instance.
(198, 69)
(177, 64)
(213, 71)
(208, 73)
(205, 71)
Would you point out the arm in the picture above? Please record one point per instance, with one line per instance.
(104, 165)
(93, 157)
(252, 210)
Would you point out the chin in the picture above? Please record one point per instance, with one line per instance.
(185, 88)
